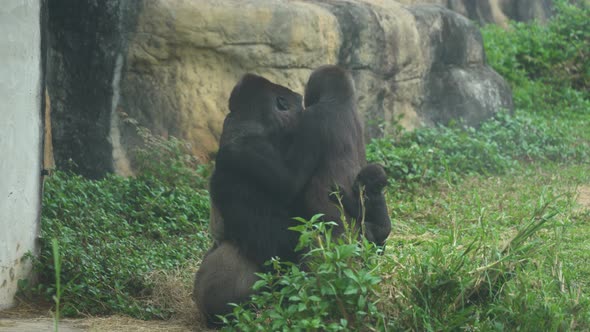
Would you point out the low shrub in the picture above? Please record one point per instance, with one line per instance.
(112, 234)
(116, 233)
(548, 66)
(427, 155)
(476, 279)
(338, 288)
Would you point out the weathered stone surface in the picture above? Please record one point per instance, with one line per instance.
(421, 64)
(185, 57)
(85, 40)
(457, 86)
(496, 11)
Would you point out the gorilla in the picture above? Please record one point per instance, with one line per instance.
(330, 137)
(252, 189)
(276, 162)
(367, 203)
(252, 186)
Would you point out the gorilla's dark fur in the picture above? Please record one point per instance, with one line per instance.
(252, 186)
(367, 204)
(276, 162)
(330, 136)
(251, 192)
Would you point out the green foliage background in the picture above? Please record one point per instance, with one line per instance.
(115, 232)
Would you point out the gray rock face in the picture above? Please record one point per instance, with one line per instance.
(170, 65)
(459, 91)
(458, 86)
(496, 11)
(85, 38)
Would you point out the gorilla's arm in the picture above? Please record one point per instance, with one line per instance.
(261, 237)
(260, 160)
(351, 203)
(305, 151)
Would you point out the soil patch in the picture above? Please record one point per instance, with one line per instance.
(584, 197)
(26, 319)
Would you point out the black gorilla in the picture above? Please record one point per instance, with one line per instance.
(330, 137)
(252, 186)
(367, 203)
(252, 190)
(276, 162)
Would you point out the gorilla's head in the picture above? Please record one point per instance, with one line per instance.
(331, 84)
(256, 99)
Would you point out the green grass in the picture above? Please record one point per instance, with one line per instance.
(454, 261)
(113, 234)
(119, 236)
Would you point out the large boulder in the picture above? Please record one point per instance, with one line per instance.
(417, 65)
(496, 11)
(185, 57)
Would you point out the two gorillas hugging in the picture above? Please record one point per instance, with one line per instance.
(279, 159)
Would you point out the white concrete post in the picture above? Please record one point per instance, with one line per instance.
(20, 139)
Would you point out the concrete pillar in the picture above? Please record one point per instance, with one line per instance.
(21, 86)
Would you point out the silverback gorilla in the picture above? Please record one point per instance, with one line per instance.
(276, 162)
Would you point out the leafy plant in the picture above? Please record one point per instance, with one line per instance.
(460, 279)
(547, 65)
(427, 155)
(115, 232)
(337, 289)
(58, 290)
(119, 231)
(169, 160)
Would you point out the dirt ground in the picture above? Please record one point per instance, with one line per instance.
(23, 318)
(113, 323)
(584, 197)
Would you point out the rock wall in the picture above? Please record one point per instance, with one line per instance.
(21, 87)
(185, 57)
(496, 11)
(87, 42)
(169, 65)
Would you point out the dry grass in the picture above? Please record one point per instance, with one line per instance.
(124, 323)
(173, 290)
(583, 197)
